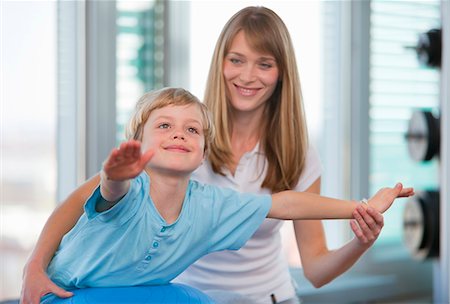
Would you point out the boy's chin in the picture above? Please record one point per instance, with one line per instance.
(176, 171)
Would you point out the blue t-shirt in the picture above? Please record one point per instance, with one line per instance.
(131, 244)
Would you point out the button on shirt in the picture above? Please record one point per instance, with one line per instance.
(131, 244)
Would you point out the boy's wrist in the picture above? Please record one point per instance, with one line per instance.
(112, 190)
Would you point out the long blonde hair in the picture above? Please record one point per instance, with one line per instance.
(285, 140)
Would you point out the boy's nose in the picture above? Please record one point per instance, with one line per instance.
(178, 135)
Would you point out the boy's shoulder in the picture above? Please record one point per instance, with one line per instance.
(195, 185)
(214, 191)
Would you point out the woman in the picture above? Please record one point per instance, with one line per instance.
(261, 146)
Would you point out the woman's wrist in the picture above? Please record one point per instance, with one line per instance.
(34, 264)
(360, 246)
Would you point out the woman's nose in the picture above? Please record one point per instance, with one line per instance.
(247, 73)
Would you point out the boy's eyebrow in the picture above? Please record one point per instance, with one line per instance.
(172, 118)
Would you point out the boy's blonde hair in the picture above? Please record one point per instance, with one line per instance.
(162, 98)
(284, 139)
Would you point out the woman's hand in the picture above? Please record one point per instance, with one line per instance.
(384, 198)
(36, 284)
(367, 225)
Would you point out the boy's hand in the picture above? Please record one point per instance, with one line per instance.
(384, 198)
(126, 162)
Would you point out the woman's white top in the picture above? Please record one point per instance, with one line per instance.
(260, 268)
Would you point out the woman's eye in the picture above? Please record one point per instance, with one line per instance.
(265, 66)
(235, 60)
(192, 130)
(164, 126)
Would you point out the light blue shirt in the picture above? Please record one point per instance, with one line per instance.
(131, 244)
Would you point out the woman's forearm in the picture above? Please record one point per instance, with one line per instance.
(303, 205)
(332, 264)
(59, 223)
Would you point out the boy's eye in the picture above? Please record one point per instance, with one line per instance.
(192, 130)
(163, 126)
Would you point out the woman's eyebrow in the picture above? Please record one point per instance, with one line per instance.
(262, 58)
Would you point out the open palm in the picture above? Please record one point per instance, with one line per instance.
(384, 198)
(127, 161)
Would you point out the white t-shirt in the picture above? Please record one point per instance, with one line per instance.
(259, 268)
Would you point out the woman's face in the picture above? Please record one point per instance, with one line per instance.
(251, 77)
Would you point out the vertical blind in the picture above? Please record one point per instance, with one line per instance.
(140, 55)
(399, 85)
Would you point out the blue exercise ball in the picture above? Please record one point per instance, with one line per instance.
(170, 293)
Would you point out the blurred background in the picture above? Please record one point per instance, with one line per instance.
(71, 72)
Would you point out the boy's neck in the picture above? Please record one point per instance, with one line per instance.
(167, 193)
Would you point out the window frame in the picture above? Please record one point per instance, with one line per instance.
(390, 259)
(71, 93)
(442, 286)
(386, 271)
(86, 90)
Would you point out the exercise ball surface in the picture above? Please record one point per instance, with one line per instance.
(170, 293)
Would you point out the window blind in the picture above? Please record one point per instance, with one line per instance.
(398, 86)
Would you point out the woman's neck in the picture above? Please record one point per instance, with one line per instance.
(167, 193)
(246, 133)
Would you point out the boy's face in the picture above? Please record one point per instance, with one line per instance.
(176, 135)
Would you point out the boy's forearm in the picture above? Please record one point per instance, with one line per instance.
(303, 205)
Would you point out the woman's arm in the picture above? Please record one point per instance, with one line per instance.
(35, 280)
(304, 205)
(320, 265)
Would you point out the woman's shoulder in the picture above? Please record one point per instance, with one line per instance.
(206, 175)
(312, 156)
(311, 171)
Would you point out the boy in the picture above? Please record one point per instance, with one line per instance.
(148, 221)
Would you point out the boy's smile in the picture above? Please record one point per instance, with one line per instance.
(176, 135)
(177, 148)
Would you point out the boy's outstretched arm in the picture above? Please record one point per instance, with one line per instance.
(301, 205)
(122, 164)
